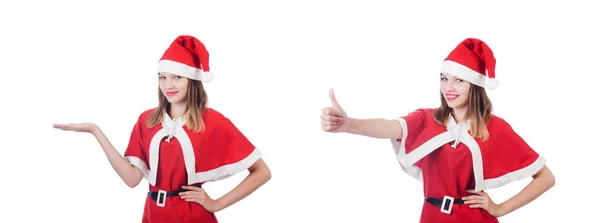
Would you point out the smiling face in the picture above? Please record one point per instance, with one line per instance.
(455, 91)
(173, 87)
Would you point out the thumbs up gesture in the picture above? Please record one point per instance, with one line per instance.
(333, 119)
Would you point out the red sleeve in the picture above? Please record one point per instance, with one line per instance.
(135, 152)
(506, 156)
(225, 150)
(412, 131)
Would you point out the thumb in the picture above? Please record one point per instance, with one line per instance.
(334, 102)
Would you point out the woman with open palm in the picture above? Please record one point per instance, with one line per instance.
(182, 144)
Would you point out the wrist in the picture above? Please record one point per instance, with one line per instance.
(351, 125)
(219, 205)
(502, 210)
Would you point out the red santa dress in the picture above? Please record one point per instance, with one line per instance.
(171, 156)
(449, 161)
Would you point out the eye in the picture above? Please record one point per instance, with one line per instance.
(459, 80)
(444, 79)
(161, 77)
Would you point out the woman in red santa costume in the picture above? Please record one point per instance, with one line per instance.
(460, 149)
(182, 144)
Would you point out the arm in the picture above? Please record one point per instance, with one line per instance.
(259, 175)
(542, 182)
(376, 128)
(130, 174)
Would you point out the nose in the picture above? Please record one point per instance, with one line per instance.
(448, 87)
(169, 83)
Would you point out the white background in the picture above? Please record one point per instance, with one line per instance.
(274, 62)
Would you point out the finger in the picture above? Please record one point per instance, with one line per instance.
(471, 201)
(332, 99)
(192, 194)
(472, 197)
(332, 112)
(326, 117)
(61, 126)
(328, 128)
(476, 206)
(189, 194)
(68, 127)
(333, 123)
(190, 198)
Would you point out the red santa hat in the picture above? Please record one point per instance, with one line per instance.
(188, 57)
(470, 60)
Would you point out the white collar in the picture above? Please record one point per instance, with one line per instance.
(457, 129)
(171, 125)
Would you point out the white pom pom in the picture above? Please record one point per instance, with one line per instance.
(492, 83)
(207, 76)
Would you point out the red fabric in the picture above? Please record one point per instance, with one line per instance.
(188, 50)
(475, 54)
(171, 176)
(223, 143)
(220, 144)
(505, 150)
(449, 172)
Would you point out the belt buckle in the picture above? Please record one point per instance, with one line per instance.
(161, 198)
(447, 199)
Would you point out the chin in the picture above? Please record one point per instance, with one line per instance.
(174, 101)
(453, 105)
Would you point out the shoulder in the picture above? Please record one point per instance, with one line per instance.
(426, 111)
(213, 118)
(496, 122)
(499, 128)
(211, 114)
(422, 113)
(217, 123)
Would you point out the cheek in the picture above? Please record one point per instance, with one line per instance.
(464, 90)
(182, 87)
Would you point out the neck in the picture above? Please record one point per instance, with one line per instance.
(177, 110)
(459, 114)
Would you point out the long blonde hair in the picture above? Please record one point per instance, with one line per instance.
(479, 110)
(197, 102)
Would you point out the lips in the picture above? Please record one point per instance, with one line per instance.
(451, 97)
(172, 93)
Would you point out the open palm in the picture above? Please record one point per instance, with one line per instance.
(77, 127)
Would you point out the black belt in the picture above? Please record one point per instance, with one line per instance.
(161, 195)
(445, 204)
(154, 195)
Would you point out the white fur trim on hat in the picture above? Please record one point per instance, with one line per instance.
(464, 72)
(173, 67)
(492, 83)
